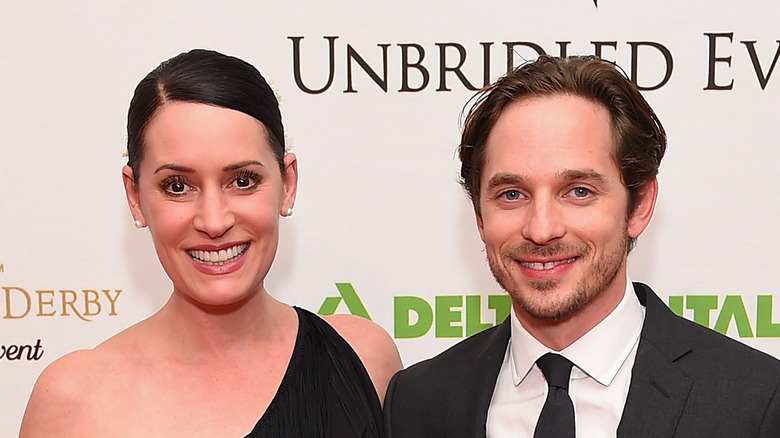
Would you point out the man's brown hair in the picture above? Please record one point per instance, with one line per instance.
(639, 138)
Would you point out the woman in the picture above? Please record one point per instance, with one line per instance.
(207, 173)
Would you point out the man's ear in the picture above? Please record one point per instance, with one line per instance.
(480, 226)
(643, 210)
(131, 192)
(290, 181)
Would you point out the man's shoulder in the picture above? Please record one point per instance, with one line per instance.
(712, 345)
(456, 385)
(487, 346)
(697, 344)
(717, 385)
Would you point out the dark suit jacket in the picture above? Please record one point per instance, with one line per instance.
(687, 381)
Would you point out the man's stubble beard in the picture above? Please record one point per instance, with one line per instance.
(598, 276)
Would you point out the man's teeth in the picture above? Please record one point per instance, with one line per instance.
(549, 265)
(218, 257)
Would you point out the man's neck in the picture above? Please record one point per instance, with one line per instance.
(558, 334)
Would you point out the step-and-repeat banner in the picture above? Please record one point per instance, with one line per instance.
(372, 94)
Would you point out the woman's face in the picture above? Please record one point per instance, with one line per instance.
(211, 192)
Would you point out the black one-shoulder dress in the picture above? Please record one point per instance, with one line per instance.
(326, 391)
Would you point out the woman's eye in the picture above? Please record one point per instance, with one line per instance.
(243, 181)
(580, 192)
(246, 179)
(174, 186)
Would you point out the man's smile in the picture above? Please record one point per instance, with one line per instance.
(539, 266)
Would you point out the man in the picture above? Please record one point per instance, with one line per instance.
(560, 160)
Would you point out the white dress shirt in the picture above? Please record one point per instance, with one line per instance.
(600, 378)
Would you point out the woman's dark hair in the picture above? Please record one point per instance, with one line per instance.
(208, 77)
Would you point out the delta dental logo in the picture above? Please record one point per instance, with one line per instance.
(450, 316)
(731, 309)
(459, 316)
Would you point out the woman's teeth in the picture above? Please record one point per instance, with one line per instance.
(218, 257)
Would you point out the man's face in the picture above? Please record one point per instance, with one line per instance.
(554, 210)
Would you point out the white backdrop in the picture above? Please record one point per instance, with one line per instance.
(378, 207)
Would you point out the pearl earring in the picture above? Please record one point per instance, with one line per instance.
(139, 224)
(288, 212)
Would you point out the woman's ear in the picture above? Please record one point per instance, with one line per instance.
(290, 181)
(131, 192)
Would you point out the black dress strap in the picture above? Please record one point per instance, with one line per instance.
(325, 392)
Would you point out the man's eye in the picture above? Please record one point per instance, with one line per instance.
(511, 195)
(580, 192)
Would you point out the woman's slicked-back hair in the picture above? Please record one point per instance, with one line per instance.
(208, 77)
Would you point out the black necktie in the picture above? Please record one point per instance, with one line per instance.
(557, 417)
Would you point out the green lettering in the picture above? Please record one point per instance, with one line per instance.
(402, 308)
(701, 306)
(445, 316)
(474, 322)
(502, 304)
(765, 328)
(734, 308)
(351, 299)
(676, 304)
(329, 306)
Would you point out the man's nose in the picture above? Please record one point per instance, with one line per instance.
(543, 222)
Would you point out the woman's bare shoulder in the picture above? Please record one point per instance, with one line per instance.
(72, 389)
(373, 345)
(62, 396)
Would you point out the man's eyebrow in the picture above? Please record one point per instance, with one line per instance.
(504, 178)
(582, 174)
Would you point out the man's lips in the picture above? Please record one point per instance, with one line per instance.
(218, 257)
(541, 266)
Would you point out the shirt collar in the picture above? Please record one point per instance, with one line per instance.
(614, 338)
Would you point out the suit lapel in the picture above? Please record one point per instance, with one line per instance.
(658, 390)
(656, 397)
(470, 397)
